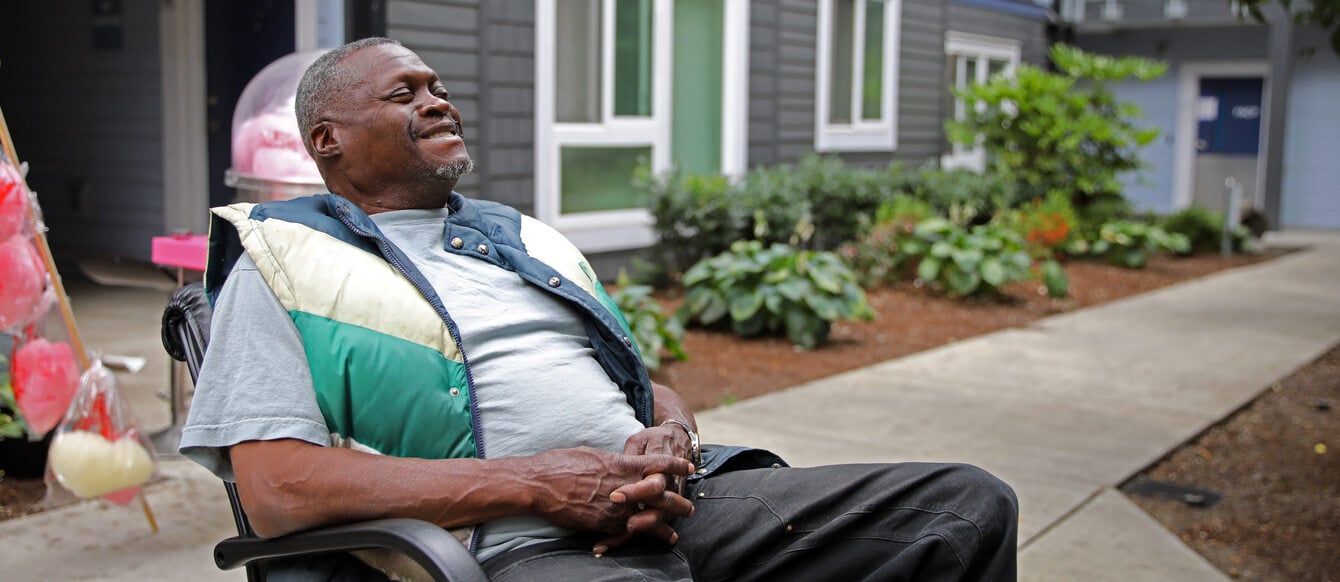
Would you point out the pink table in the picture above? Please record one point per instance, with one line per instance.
(181, 251)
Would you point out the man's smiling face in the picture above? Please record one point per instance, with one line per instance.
(397, 129)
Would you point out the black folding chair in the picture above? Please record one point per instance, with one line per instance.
(185, 337)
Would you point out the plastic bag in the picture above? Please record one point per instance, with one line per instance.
(23, 287)
(98, 450)
(13, 201)
(44, 376)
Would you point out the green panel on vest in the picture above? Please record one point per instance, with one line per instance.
(398, 397)
(696, 121)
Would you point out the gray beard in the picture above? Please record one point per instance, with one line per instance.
(453, 171)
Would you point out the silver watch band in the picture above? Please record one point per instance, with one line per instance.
(695, 450)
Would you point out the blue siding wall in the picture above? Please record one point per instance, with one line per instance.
(1152, 188)
(1311, 186)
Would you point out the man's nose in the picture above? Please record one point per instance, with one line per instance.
(435, 105)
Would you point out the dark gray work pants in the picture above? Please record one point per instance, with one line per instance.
(908, 521)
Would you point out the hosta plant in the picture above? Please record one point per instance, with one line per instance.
(874, 254)
(965, 262)
(1127, 243)
(775, 289)
(1203, 229)
(653, 329)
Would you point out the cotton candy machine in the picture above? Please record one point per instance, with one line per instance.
(269, 159)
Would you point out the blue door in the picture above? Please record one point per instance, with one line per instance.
(1235, 128)
(1228, 139)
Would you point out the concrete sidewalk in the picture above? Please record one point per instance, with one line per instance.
(1064, 410)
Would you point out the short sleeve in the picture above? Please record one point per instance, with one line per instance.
(254, 383)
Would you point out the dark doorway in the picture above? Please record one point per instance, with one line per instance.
(241, 37)
(1228, 137)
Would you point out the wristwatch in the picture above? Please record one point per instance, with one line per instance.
(695, 451)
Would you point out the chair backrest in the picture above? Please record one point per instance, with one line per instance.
(185, 332)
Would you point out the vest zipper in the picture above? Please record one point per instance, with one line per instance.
(390, 257)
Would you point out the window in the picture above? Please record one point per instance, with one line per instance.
(857, 92)
(602, 101)
(973, 59)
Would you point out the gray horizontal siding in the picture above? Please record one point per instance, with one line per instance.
(921, 65)
(485, 53)
(781, 80)
(1031, 33)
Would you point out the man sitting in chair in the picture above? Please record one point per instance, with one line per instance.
(397, 350)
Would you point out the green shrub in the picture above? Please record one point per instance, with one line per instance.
(1044, 225)
(874, 255)
(653, 329)
(11, 424)
(819, 203)
(1061, 132)
(1055, 279)
(696, 217)
(966, 198)
(1203, 229)
(775, 207)
(1127, 243)
(774, 289)
(839, 197)
(963, 262)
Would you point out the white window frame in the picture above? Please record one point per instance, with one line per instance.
(861, 134)
(613, 229)
(983, 49)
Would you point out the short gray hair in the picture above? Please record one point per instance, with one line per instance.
(324, 83)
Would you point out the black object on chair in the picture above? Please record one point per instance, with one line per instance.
(185, 337)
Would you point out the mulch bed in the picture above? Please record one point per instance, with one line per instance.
(722, 368)
(1276, 464)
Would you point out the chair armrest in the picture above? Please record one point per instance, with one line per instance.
(432, 547)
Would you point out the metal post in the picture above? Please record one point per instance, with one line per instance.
(1232, 214)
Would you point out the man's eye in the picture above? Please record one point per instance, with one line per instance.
(401, 93)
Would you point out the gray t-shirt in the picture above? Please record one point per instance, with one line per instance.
(537, 383)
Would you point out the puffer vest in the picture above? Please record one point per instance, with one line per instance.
(386, 359)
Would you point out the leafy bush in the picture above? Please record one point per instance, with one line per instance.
(696, 216)
(1045, 225)
(819, 203)
(1061, 132)
(11, 425)
(653, 329)
(775, 207)
(1128, 244)
(1203, 229)
(774, 289)
(839, 196)
(1055, 279)
(874, 255)
(966, 198)
(966, 262)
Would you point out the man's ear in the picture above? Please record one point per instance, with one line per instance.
(324, 141)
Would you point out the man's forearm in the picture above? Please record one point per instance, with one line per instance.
(290, 485)
(670, 406)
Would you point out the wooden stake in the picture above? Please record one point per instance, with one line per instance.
(148, 513)
(67, 315)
